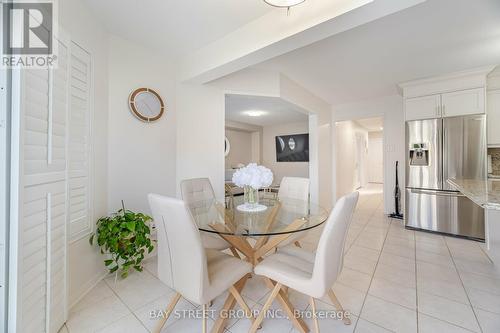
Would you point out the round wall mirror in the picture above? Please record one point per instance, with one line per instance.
(146, 104)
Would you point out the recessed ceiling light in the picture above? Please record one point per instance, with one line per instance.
(284, 3)
(381, 128)
(255, 113)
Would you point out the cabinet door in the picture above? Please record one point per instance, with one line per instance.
(461, 103)
(426, 107)
(494, 117)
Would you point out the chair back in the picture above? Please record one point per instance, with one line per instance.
(294, 188)
(196, 189)
(330, 253)
(182, 263)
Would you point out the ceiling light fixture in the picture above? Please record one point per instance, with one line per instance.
(255, 113)
(284, 3)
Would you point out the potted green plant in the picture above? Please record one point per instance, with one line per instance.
(124, 236)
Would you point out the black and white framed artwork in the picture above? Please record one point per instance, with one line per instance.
(292, 148)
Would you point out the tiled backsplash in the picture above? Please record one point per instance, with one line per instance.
(495, 160)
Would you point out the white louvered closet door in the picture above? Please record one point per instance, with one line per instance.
(79, 189)
(42, 252)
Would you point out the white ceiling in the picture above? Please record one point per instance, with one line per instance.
(371, 124)
(175, 27)
(278, 111)
(436, 37)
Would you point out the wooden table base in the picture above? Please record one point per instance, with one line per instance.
(254, 254)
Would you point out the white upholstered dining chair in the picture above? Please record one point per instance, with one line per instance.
(309, 273)
(295, 188)
(195, 273)
(197, 190)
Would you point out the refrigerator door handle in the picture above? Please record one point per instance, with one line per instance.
(438, 193)
(441, 151)
(444, 150)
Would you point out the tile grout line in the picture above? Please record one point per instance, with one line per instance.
(131, 311)
(463, 285)
(373, 274)
(364, 227)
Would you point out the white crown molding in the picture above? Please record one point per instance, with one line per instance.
(467, 79)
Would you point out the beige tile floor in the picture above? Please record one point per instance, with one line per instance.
(394, 280)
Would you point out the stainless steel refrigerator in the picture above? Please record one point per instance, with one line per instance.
(440, 149)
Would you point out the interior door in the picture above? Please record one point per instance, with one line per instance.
(464, 148)
(464, 102)
(426, 107)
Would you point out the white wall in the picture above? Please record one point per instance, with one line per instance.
(241, 148)
(200, 135)
(85, 263)
(376, 157)
(348, 177)
(281, 169)
(391, 109)
(147, 151)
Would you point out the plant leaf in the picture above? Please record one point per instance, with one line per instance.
(130, 226)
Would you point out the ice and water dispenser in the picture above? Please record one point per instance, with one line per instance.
(419, 154)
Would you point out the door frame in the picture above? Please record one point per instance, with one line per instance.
(4, 195)
(5, 185)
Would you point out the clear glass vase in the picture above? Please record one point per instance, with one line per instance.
(251, 196)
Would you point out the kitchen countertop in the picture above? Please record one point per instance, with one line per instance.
(485, 193)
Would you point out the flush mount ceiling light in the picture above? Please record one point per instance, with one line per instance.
(255, 113)
(284, 3)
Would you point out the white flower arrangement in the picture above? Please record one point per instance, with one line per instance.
(253, 175)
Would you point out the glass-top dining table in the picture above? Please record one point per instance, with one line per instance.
(255, 232)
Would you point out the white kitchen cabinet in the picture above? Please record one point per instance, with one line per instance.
(425, 107)
(494, 117)
(461, 103)
(451, 95)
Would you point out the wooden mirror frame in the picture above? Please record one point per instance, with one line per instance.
(134, 109)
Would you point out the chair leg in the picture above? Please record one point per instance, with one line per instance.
(337, 304)
(204, 322)
(168, 311)
(297, 244)
(313, 308)
(266, 307)
(234, 252)
(237, 296)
